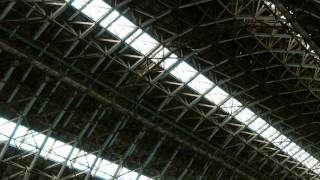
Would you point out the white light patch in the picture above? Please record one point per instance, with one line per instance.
(184, 72)
(144, 44)
(108, 168)
(201, 84)
(231, 106)
(217, 95)
(78, 4)
(245, 115)
(128, 174)
(291, 149)
(258, 125)
(281, 141)
(301, 156)
(109, 19)
(96, 9)
(58, 151)
(122, 27)
(134, 36)
(270, 133)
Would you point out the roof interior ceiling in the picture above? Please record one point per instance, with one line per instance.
(239, 45)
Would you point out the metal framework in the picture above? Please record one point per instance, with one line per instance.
(65, 77)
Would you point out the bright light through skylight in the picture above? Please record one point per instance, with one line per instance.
(232, 105)
(96, 9)
(201, 84)
(57, 151)
(183, 72)
(217, 95)
(143, 43)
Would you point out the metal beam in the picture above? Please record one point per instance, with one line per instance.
(106, 101)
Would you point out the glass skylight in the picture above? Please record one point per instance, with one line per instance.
(78, 4)
(216, 95)
(201, 84)
(183, 72)
(258, 125)
(232, 105)
(58, 151)
(143, 43)
(109, 19)
(281, 141)
(245, 115)
(96, 9)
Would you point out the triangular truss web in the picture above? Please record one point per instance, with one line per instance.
(137, 39)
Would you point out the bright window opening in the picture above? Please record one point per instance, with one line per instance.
(57, 151)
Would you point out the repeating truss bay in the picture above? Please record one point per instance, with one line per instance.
(158, 90)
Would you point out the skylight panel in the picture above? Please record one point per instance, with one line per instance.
(18, 136)
(59, 151)
(78, 4)
(301, 156)
(29, 141)
(270, 133)
(144, 44)
(258, 125)
(121, 27)
(245, 115)
(110, 18)
(281, 141)
(133, 36)
(231, 106)
(6, 130)
(74, 154)
(107, 167)
(183, 72)
(200, 84)
(96, 9)
(127, 174)
(142, 177)
(291, 149)
(35, 139)
(83, 161)
(311, 162)
(217, 95)
(316, 168)
(102, 175)
(47, 148)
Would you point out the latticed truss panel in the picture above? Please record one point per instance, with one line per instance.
(156, 89)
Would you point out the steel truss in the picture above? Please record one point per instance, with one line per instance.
(66, 77)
